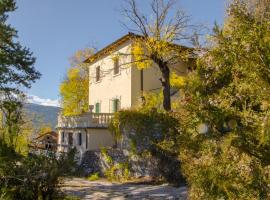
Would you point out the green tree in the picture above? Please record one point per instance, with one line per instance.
(16, 62)
(225, 112)
(16, 71)
(74, 90)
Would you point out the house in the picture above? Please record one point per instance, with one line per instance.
(114, 85)
(46, 141)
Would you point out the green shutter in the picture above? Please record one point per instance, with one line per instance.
(97, 107)
(115, 105)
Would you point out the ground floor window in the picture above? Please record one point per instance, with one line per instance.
(62, 137)
(79, 139)
(115, 105)
(70, 139)
(86, 140)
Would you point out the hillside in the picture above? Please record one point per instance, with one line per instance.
(40, 114)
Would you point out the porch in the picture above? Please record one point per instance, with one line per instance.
(88, 131)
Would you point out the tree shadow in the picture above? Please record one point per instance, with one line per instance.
(127, 191)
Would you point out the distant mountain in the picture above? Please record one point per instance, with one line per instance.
(40, 114)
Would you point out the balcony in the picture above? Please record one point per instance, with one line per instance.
(86, 120)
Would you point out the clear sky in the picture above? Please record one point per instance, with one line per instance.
(55, 29)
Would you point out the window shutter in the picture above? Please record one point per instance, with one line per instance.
(115, 105)
(97, 107)
(97, 73)
(116, 66)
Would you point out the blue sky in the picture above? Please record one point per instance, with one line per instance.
(55, 29)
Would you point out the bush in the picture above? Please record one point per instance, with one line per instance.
(93, 177)
(32, 176)
(154, 133)
(116, 171)
(224, 115)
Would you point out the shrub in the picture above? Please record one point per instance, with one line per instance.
(224, 115)
(116, 171)
(33, 176)
(154, 133)
(93, 177)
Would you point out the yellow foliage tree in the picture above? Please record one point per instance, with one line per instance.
(157, 42)
(74, 90)
(44, 128)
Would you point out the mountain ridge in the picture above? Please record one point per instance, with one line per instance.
(41, 114)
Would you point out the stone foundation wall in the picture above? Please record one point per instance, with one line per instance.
(94, 161)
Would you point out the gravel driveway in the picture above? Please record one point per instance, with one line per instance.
(102, 189)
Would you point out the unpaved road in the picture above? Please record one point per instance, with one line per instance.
(103, 190)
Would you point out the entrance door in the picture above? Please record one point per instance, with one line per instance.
(70, 139)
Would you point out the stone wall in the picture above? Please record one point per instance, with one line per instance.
(94, 161)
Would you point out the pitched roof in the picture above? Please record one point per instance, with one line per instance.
(52, 133)
(106, 50)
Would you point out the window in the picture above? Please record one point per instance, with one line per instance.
(79, 139)
(116, 105)
(86, 140)
(116, 68)
(70, 139)
(62, 137)
(97, 107)
(97, 73)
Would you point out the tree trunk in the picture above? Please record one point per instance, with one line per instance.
(166, 87)
(165, 81)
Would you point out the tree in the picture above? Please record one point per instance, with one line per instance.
(16, 62)
(45, 128)
(224, 117)
(16, 71)
(160, 35)
(74, 90)
(16, 129)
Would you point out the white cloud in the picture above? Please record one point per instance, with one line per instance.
(45, 102)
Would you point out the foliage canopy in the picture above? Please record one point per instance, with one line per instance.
(158, 45)
(74, 90)
(16, 61)
(224, 115)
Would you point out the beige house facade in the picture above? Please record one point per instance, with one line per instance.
(115, 83)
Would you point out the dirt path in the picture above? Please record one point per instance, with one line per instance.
(102, 189)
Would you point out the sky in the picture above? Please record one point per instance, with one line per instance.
(55, 29)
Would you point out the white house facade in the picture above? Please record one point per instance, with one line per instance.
(115, 83)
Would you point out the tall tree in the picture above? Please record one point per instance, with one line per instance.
(74, 90)
(16, 71)
(161, 31)
(225, 115)
(16, 62)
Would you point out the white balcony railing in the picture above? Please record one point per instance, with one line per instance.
(86, 120)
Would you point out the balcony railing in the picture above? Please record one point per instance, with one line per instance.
(86, 120)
